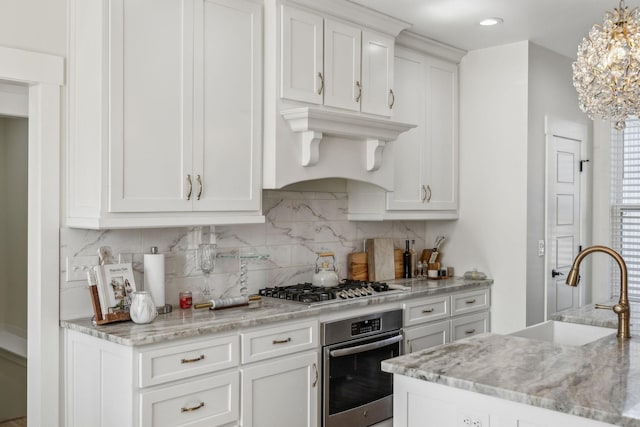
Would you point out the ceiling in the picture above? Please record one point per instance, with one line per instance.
(558, 25)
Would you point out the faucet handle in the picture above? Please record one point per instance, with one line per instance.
(604, 307)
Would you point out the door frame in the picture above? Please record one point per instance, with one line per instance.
(580, 131)
(44, 76)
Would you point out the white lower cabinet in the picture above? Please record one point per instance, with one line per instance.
(210, 401)
(433, 321)
(281, 392)
(426, 336)
(191, 382)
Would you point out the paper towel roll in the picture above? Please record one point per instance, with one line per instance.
(154, 277)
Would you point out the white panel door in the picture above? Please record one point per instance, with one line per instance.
(377, 74)
(150, 109)
(563, 212)
(409, 150)
(228, 106)
(302, 66)
(266, 385)
(342, 83)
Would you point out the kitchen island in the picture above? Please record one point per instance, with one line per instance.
(502, 380)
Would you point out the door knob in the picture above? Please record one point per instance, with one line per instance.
(555, 273)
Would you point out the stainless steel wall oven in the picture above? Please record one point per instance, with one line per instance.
(356, 393)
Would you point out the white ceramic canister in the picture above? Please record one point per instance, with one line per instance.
(142, 310)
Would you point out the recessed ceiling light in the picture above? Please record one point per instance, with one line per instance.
(491, 21)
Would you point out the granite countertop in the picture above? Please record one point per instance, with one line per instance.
(599, 380)
(189, 323)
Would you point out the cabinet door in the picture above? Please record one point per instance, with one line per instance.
(426, 157)
(409, 150)
(426, 336)
(228, 105)
(469, 325)
(266, 386)
(210, 401)
(377, 74)
(302, 56)
(342, 84)
(150, 106)
(442, 135)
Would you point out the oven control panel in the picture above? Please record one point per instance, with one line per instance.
(342, 330)
(365, 326)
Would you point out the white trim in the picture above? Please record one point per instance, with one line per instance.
(44, 75)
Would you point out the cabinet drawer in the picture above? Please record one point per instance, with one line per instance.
(163, 364)
(210, 401)
(468, 302)
(468, 326)
(426, 310)
(426, 336)
(272, 342)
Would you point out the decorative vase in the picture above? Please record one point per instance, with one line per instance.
(142, 310)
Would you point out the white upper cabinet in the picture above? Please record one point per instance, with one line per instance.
(342, 81)
(328, 92)
(302, 56)
(165, 113)
(328, 62)
(426, 157)
(377, 74)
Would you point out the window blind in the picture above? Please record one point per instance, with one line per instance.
(625, 204)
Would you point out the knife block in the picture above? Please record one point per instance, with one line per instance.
(97, 311)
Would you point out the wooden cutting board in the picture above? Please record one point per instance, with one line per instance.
(397, 261)
(357, 266)
(380, 259)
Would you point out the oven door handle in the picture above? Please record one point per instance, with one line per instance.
(365, 347)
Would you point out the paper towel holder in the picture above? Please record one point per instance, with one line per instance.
(167, 308)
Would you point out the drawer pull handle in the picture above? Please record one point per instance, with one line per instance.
(196, 359)
(192, 408)
(470, 301)
(282, 341)
(428, 310)
(470, 331)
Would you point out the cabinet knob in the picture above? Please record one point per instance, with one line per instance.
(424, 193)
(393, 99)
(359, 86)
(429, 193)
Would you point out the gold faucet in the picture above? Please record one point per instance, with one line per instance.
(622, 307)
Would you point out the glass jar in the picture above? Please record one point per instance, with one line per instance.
(186, 299)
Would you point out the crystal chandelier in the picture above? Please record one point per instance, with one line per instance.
(606, 73)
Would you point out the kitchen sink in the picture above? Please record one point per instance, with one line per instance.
(564, 333)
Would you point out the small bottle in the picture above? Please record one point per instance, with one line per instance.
(406, 262)
(414, 259)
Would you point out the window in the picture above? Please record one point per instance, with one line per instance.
(625, 204)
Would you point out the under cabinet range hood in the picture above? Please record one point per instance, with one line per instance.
(313, 143)
(329, 93)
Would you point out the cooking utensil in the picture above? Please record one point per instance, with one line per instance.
(325, 276)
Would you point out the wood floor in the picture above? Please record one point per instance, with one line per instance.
(17, 422)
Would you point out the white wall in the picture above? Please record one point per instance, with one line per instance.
(37, 25)
(13, 233)
(551, 92)
(491, 232)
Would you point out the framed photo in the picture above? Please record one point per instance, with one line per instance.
(115, 285)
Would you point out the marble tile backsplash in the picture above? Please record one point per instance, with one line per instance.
(298, 225)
